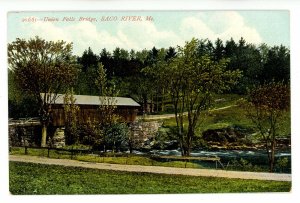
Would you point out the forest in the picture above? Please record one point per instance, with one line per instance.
(185, 81)
(130, 72)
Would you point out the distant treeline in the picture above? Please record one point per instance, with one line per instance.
(124, 70)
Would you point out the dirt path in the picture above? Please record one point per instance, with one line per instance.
(166, 116)
(154, 169)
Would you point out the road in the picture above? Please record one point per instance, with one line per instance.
(154, 169)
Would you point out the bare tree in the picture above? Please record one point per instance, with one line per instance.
(265, 107)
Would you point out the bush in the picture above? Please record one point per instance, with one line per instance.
(117, 136)
(91, 134)
(282, 163)
(200, 143)
(243, 165)
(165, 139)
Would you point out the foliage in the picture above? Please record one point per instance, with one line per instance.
(107, 110)
(28, 178)
(165, 138)
(277, 65)
(41, 66)
(20, 105)
(117, 136)
(91, 134)
(282, 163)
(259, 64)
(265, 107)
(88, 67)
(107, 94)
(71, 111)
(243, 165)
(101, 80)
(191, 81)
(145, 76)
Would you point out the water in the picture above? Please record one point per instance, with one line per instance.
(219, 153)
(257, 157)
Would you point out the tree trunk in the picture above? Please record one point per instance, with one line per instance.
(189, 137)
(186, 151)
(44, 135)
(272, 158)
(145, 105)
(114, 147)
(152, 104)
(162, 100)
(130, 148)
(157, 109)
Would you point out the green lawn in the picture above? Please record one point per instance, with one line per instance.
(125, 159)
(233, 116)
(27, 178)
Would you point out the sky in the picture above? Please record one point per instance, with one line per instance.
(109, 30)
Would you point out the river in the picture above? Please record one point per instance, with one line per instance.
(257, 157)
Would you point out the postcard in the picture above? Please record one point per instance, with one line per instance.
(149, 102)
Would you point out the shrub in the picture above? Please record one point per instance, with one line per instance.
(117, 136)
(282, 163)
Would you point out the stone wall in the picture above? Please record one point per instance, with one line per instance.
(143, 133)
(22, 135)
(58, 140)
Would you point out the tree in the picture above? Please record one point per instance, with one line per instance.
(101, 80)
(247, 58)
(265, 107)
(192, 79)
(41, 66)
(171, 52)
(205, 47)
(107, 61)
(218, 50)
(88, 59)
(107, 100)
(277, 66)
(139, 83)
(19, 105)
(230, 48)
(71, 111)
(85, 83)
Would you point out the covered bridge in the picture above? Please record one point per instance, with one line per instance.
(126, 108)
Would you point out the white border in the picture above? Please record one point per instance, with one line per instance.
(85, 5)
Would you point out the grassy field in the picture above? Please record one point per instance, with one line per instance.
(233, 116)
(28, 179)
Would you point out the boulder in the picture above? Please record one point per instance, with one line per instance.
(223, 135)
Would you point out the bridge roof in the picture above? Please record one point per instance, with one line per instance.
(96, 100)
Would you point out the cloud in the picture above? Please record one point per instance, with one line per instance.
(82, 34)
(223, 25)
(145, 34)
(86, 34)
(195, 27)
(46, 30)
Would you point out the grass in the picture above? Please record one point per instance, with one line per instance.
(29, 179)
(233, 116)
(128, 159)
(220, 100)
